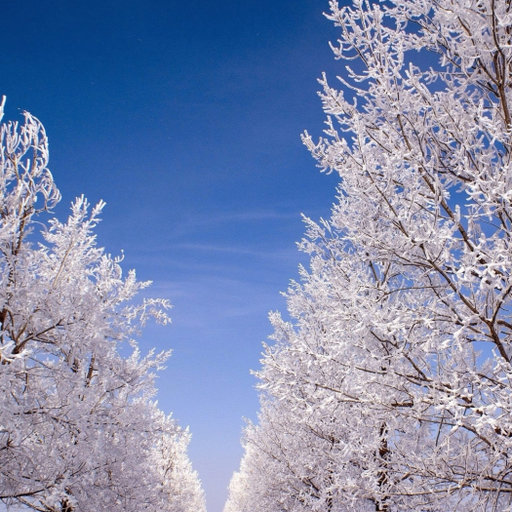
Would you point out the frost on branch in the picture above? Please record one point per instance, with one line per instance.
(390, 388)
(78, 429)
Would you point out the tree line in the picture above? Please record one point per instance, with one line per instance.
(388, 385)
(79, 427)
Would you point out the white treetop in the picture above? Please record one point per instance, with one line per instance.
(78, 429)
(391, 387)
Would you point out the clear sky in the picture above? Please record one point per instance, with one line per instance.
(185, 117)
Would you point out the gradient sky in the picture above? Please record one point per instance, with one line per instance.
(185, 117)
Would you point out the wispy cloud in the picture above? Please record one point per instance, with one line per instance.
(246, 216)
(254, 216)
(233, 249)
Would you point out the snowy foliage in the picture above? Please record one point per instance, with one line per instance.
(78, 428)
(391, 387)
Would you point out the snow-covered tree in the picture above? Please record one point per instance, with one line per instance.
(78, 429)
(180, 486)
(396, 367)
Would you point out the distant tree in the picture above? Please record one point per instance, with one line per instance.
(180, 487)
(396, 368)
(78, 429)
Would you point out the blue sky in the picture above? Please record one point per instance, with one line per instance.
(185, 117)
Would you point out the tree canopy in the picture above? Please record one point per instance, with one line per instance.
(79, 429)
(390, 386)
